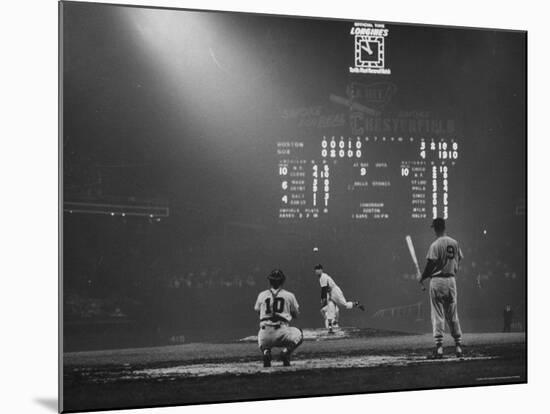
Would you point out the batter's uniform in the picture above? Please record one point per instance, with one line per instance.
(335, 294)
(276, 307)
(446, 254)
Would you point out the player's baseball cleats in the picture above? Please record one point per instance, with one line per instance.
(359, 305)
(267, 358)
(437, 353)
(285, 357)
(458, 351)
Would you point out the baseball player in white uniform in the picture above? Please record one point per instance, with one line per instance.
(277, 307)
(443, 257)
(331, 298)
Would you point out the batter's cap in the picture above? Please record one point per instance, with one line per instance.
(438, 223)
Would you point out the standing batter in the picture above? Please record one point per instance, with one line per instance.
(277, 307)
(332, 297)
(443, 257)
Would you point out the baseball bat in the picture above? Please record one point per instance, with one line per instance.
(413, 256)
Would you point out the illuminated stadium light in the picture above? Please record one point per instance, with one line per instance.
(190, 70)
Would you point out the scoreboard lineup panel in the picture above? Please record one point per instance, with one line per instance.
(366, 178)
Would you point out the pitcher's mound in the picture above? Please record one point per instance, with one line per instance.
(322, 334)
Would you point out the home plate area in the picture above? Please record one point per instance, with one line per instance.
(306, 364)
(351, 360)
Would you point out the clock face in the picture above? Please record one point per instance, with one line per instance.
(369, 51)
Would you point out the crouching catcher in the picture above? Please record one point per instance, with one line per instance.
(277, 307)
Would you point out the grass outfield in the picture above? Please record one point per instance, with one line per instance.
(359, 362)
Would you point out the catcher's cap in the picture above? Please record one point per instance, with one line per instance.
(276, 274)
(438, 224)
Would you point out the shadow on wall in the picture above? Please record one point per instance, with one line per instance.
(48, 403)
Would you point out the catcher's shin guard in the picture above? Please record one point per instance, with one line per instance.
(285, 357)
(267, 358)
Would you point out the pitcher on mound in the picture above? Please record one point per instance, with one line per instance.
(332, 298)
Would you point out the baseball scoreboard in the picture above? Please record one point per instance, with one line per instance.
(366, 178)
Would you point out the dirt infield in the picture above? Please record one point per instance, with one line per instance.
(353, 363)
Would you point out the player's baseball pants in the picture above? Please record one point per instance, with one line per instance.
(337, 296)
(443, 299)
(331, 313)
(279, 336)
